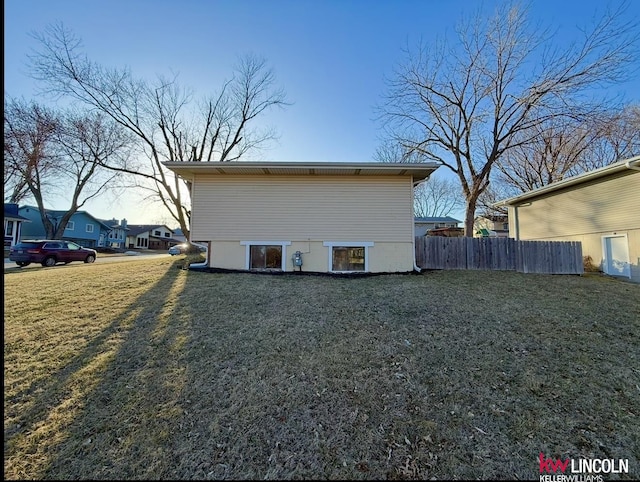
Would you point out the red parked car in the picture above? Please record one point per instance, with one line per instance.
(49, 252)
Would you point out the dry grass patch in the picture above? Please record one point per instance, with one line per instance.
(165, 373)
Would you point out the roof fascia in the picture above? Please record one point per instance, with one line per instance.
(571, 181)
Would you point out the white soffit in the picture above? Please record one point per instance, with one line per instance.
(188, 170)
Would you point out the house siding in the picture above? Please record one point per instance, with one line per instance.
(421, 229)
(302, 208)
(585, 212)
(306, 211)
(383, 257)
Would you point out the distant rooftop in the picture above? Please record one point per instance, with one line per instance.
(445, 219)
(135, 229)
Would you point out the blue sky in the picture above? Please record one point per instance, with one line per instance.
(330, 56)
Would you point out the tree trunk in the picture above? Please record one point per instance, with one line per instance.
(469, 216)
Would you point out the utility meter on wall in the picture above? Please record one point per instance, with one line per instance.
(297, 258)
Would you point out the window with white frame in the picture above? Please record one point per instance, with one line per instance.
(89, 228)
(70, 225)
(266, 255)
(348, 256)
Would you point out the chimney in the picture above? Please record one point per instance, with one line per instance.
(123, 223)
(11, 208)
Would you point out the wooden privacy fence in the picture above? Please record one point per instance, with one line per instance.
(551, 257)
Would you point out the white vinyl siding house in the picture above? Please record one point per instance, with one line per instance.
(425, 224)
(598, 208)
(12, 225)
(149, 236)
(341, 217)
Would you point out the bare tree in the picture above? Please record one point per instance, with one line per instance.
(559, 148)
(390, 151)
(487, 202)
(467, 103)
(85, 144)
(436, 197)
(553, 151)
(161, 115)
(15, 185)
(51, 153)
(432, 198)
(29, 130)
(618, 137)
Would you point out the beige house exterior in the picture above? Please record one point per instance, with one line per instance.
(600, 208)
(338, 217)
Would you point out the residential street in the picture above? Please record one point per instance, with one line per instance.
(102, 258)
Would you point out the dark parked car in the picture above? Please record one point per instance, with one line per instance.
(49, 252)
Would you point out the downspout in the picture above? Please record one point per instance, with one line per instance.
(413, 227)
(205, 263)
(413, 244)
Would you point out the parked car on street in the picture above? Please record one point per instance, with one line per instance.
(49, 252)
(184, 248)
(177, 249)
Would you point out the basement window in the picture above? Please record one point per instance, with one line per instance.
(348, 259)
(265, 255)
(348, 256)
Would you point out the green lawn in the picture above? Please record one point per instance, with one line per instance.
(142, 370)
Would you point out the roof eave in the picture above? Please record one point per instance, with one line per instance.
(419, 171)
(572, 181)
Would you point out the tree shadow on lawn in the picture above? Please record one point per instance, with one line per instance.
(114, 401)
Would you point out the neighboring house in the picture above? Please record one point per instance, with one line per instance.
(82, 228)
(179, 236)
(12, 225)
(600, 208)
(427, 224)
(491, 226)
(149, 236)
(337, 217)
(117, 235)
